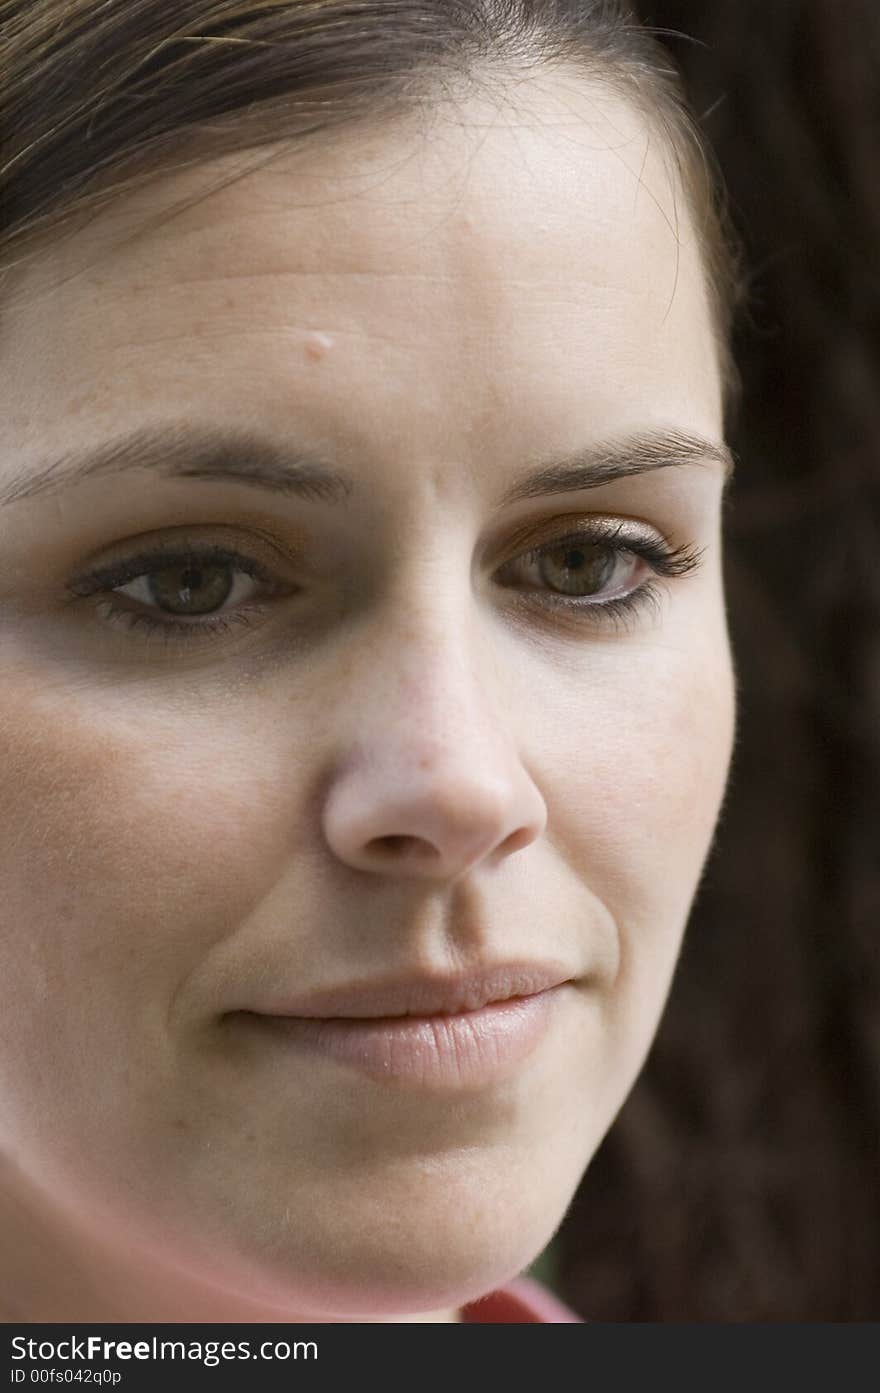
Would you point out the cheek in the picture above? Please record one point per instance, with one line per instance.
(645, 771)
(125, 858)
(641, 803)
(637, 812)
(685, 739)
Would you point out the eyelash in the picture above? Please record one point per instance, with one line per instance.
(665, 561)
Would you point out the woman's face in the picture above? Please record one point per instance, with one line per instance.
(432, 751)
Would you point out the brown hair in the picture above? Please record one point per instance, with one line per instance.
(99, 96)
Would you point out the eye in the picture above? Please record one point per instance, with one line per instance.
(577, 571)
(185, 584)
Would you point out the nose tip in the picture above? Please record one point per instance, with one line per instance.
(438, 827)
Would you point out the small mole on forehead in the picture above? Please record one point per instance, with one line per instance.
(317, 344)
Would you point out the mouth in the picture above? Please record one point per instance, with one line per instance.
(445, 1033)
(424, 995)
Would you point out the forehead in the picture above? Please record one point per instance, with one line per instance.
(514, 248)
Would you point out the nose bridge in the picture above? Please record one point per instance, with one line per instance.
(442, 686)
(427, 658)
(434, 779)
(438, 672)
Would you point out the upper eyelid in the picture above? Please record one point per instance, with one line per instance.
(268, 551)
(601, 532)
(601, 527)
(612, 534)
(150, 560)
(153, 556)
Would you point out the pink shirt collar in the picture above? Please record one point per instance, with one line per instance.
(522, 1301)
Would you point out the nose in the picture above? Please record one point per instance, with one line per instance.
(431, 783)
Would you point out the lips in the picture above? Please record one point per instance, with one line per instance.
(422, 996)
(441, 1033)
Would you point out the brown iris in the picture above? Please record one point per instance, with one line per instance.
(176, 585)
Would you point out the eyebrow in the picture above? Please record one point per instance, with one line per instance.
(246, 457)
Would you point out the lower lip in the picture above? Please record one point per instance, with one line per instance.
(468, 1050)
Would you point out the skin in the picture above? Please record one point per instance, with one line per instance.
(183, 826)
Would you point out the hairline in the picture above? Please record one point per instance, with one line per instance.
(280, 122)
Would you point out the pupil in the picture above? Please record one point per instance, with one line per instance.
(203, 588)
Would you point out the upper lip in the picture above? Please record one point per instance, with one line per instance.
(426, 995)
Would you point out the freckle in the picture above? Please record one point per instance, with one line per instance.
(317, 345)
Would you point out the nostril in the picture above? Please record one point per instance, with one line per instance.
(517, 840)
(413, 846)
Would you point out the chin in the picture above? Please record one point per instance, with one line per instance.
(384, 1294)
(405, 1268)
(375, 1264)
(402, 1241)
